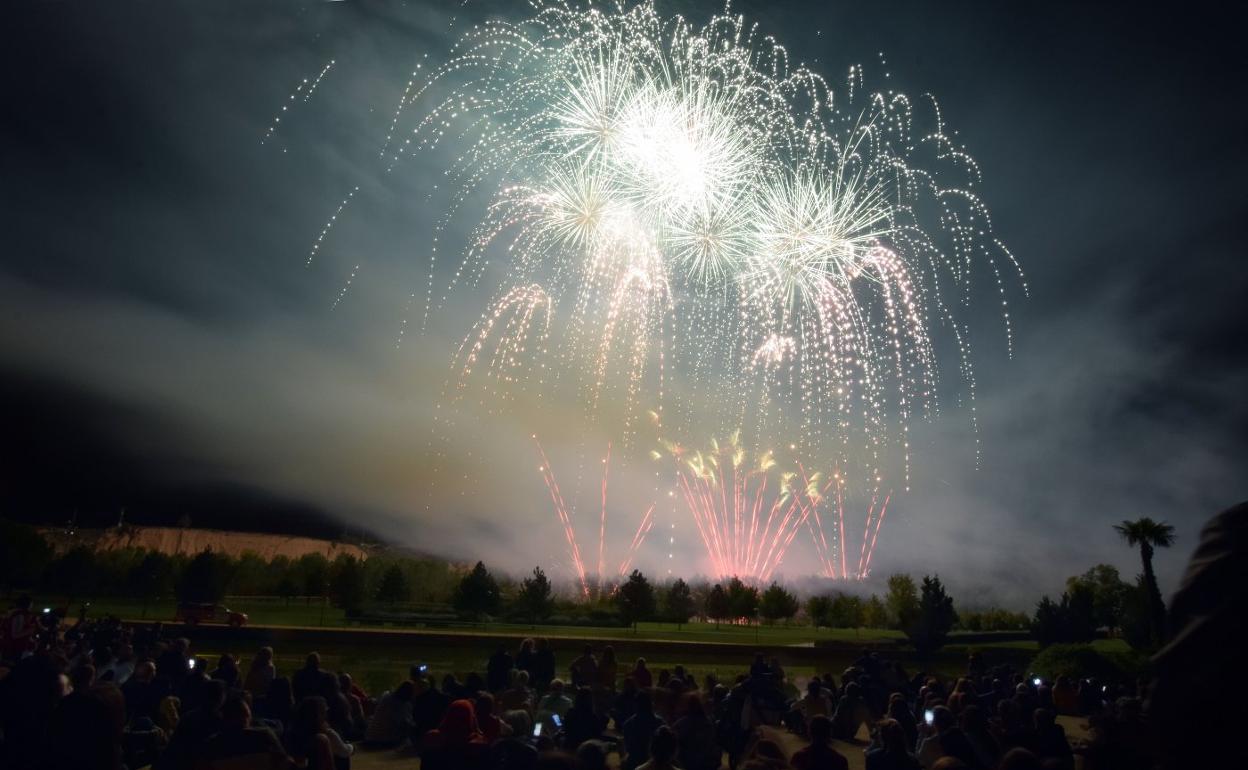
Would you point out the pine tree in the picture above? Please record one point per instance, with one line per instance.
(535, 598)
(478, 593)
(635, 599)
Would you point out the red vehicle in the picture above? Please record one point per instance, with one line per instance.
(194, 614)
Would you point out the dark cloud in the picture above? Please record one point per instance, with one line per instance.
(165, 347)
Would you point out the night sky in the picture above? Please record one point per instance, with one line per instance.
(165, 349)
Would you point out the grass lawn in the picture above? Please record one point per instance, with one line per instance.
(297, 613)
(380, 666)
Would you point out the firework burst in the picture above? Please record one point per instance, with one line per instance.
(699, 209)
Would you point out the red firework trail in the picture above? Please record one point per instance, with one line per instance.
(828, 555)
(745, 518)
(561, 510)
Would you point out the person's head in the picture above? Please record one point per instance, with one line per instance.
(853, 690)
(556, 686)
(344, 682)
(760, 659)
(587, 649)
(450, 683)
(584, 699)
(483, 704)
(264, 657)
(814, 688)
(663, 745)
(591, 755)
(691, 705)
(942, 719)
(519, 721)
(145, 671)
(459, 723)
(227, 663)
(405, 691)
(820, 730)
(82, 677)
(522, 679)
(1043, 719)
(313, 661)
(527, 645)
(311, 714)
(236, 714)
(892, 735)
(1019, 759)
(542, 644)
(181, 646)
(1007, 711)
(641, 664)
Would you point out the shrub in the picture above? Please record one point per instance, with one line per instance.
(1083, 661)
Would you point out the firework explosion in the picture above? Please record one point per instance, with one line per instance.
(597, 580)
(686, 219)
(748, 510)
(696, 207)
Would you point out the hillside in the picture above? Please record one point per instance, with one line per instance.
(175, 540)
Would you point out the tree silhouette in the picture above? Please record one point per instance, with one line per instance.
(678, 603)
(902, 600)
(535, 598)
(1149, 535)
(717, 605)
(314, 568)
(1109, 593)
(1070, 621)
(394, 587)
(205, 578)
(742, 599)
(777, 604)
(934, 620)
(845, 612)
(817, 608)
(874, 613)
(347, 584)
(151, 578)
(635, 599)
(477, 594)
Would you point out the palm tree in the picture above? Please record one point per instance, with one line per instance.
(1148, 535)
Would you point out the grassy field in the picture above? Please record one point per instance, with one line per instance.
(269, 613)
(380, 666)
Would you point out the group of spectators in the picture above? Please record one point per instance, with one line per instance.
(100, 694)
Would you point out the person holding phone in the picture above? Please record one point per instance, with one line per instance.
(947, 740)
